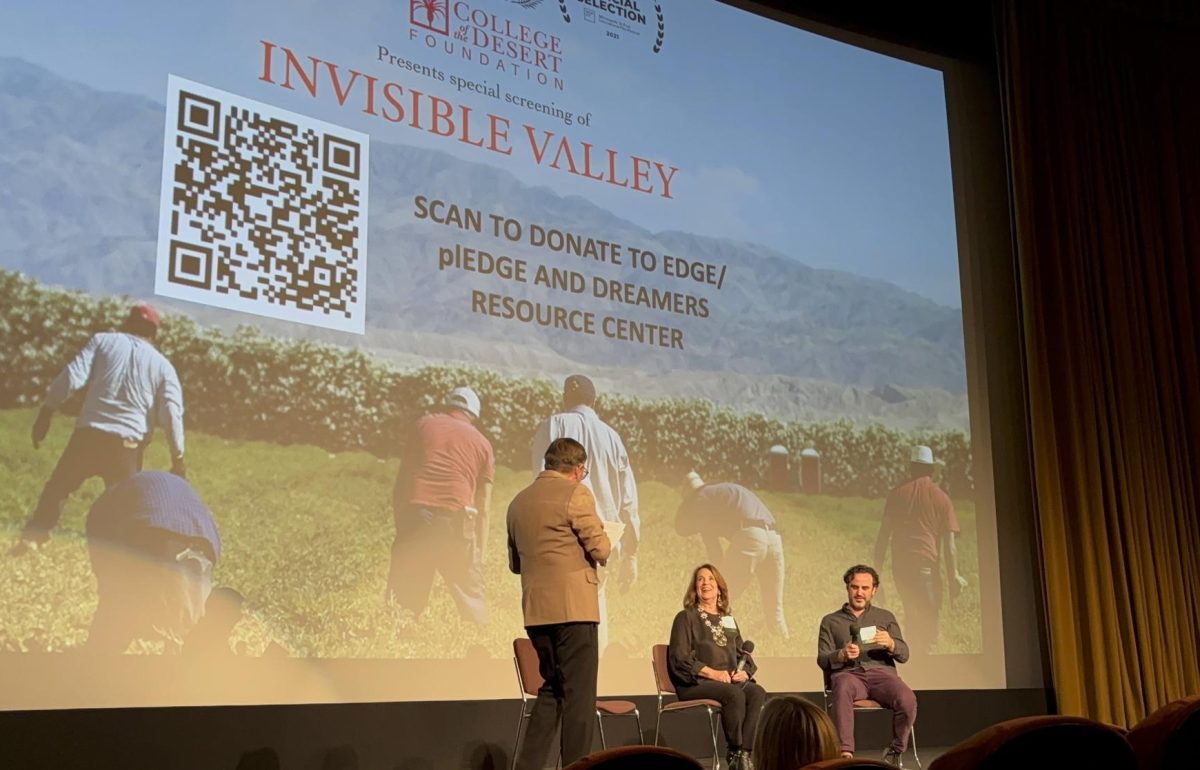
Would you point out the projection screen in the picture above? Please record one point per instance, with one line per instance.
(742, 234)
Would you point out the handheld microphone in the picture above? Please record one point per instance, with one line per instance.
(744, 655)
(854, 633)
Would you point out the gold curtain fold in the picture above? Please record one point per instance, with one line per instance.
(1102, 115)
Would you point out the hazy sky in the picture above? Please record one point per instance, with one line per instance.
(835, 156)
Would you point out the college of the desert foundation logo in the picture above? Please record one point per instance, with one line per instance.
(433, 15)
(476, 34)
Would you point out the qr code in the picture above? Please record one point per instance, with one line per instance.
(263, 210)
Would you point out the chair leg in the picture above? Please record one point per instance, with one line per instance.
(712, 723)
(912, 739)
(600, 724)
(517, 741)
(658, 727)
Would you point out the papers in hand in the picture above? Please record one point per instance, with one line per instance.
(866, 634)
(614, 530)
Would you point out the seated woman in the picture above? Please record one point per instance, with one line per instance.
(706, 660)
(793, 733)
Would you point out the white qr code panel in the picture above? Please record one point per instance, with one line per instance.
(263, 210)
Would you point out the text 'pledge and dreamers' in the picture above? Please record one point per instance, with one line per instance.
(687, 272)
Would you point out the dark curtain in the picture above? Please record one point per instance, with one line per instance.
(1102, 116)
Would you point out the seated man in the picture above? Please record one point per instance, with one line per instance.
(152, 544)
(859, 646)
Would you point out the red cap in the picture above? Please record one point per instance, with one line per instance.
(143, 312)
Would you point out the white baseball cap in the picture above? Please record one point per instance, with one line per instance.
(922, 454)
(693, 480)
(466, 400)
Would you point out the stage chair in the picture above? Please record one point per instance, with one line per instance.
(867, 704)
(664, 686)
(1168, 738)
(1041, 743)
(529, 679)
(636, 758)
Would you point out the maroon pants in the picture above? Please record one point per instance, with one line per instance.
(878, 684)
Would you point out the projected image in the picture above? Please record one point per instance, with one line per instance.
(266, 424)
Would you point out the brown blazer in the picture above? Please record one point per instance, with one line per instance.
(555, 541)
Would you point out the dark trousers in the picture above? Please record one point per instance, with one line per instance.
(568, 659)
(433, 540)
(89, 453)
(740, 706)
(878, 684)
(921, 594)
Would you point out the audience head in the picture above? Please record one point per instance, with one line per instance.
(703, 574)
(258, 759)
(792, 733)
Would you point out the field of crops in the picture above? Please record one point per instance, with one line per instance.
(307, 534)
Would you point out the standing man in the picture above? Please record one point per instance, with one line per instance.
(609, 478)
(129, 386)
(440, 503)
(153, 544)
(858, 647)
(555, 543)
(920, 525)
(730, 511)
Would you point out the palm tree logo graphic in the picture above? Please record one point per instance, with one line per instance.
(433, 15)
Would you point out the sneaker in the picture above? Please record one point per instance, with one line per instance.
(893, 758)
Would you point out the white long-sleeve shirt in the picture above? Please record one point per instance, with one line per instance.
(610, 476)
(130, 388)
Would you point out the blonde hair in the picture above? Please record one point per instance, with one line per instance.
(792, 733)
(691, 599)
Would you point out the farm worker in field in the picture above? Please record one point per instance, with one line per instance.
(920, 525)
(441, 501)
(609, 478)
(730, 511)
(152, 544)
(555, 543)
(858, 648)
(128, 387)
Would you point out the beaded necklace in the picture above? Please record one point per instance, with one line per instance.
(716, 629)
